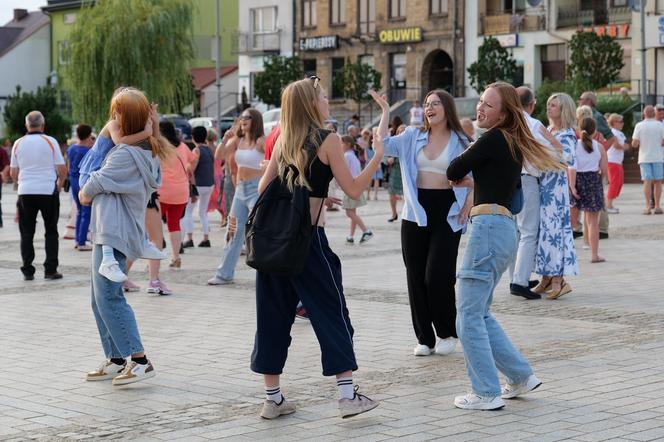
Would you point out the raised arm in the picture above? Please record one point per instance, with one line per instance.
(353, 187)
(117, 137)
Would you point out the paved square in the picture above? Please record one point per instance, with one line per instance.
(598, 350)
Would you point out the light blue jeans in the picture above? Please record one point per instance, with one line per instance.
(246, 194)
(115, 318)
(528, 221)
(492, 242)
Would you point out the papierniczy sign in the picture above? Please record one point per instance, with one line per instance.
(400, 35)
(319, 43)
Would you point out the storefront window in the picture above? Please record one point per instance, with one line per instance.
(337, 12)
(397, 8)
(309, 67)
(367, 13)
(337, 67)
(309, 13)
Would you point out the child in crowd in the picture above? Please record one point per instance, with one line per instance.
(110, 136)
(378, 175)
(616, 155)
(350, 205)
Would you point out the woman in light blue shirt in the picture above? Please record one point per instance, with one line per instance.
(433, 218)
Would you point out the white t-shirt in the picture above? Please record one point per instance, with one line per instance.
(416, 116)
(36, 157)
(617, 155)
(587, 161)
(650, 134)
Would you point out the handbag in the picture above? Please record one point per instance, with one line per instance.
(66, 185)
(193, 191)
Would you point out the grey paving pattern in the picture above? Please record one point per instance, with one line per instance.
(599, 350)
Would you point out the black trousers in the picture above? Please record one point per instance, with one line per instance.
(430, 254)
(320, 288)
(28, 207)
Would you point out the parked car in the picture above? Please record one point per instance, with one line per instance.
(210, 123)
(270, 119)
(180, 123)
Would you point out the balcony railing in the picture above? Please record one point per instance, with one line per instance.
(574, 18)
(511, 23)
(257, 42)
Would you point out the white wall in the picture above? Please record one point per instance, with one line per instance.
(254, 63)
(27, 65)
(228, 96)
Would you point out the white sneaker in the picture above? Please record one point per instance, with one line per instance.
(134, 372)
(446, 346)
(612, 210)
(510, 391)
(111, 270)
(150, 251)
(358, 405)
(422, 350)
(107, 370)
(218, 281)
(472, 401)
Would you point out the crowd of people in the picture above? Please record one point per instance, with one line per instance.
(516, 187)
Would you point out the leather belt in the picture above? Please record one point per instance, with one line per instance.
(490, 209)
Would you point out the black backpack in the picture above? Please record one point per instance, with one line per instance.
(279, 229)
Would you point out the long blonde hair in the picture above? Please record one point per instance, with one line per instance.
(523, 146)
(132, 109)
(300, 116)
(567, 109)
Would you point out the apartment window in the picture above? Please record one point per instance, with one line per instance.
(69, 18)
(337, 12)
(514, 6)
(367, 13)
(618, 3)
(438, 7)
(263, 20)
(309, 13)
(64, 52)
(397, 8)
(337, 67)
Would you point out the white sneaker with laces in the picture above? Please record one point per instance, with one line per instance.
(111, 271)
(472, 401)
(134, 372)
(150, 251)
(107, 370)
(359, 404)
(422, 350)
(446, 346)
(510, 391)
(218, 281)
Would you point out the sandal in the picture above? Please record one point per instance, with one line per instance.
(659, 211)
(646, 211)
(565, 288)
(544, 285)
(175, 263)
(595, 261)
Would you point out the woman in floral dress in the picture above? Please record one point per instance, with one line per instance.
(556, 256)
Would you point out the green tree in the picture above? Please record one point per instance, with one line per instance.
(147, 44)
(493, 63)
(43, 99)
(594, 61)
(278, 72)
(355, 81)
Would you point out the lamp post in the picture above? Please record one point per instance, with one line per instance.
(217, 69)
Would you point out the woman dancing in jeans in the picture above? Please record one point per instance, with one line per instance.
(495, 160)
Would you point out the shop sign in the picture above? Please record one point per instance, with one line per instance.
(319, 43)
(617, 31)
(508, 40)
(654, 31)
(401, 35)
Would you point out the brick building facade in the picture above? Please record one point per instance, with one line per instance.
(417, 45)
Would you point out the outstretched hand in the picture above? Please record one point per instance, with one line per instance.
(381, 100)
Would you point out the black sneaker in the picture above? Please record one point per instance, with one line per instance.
(28, 277)
(181, 250)
(366, 236)
(188, 243)
(533, 283)
(603, 235)
(576, 234)
(204, 243)
(54, 275)
(518, 290)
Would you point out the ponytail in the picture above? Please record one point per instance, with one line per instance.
(587, 131)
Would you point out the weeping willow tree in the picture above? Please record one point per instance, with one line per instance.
(147, 44)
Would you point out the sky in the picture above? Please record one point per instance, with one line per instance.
(7, 8)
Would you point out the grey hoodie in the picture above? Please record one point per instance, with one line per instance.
(120, 191)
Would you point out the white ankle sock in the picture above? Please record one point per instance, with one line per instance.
(274, 394)
(346, 388)
(107, 255)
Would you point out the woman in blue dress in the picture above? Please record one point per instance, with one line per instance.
(556, 256)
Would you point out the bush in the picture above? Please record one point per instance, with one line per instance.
(43, 100)
(549, 88)
(618, 104)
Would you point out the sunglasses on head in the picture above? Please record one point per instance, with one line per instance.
(316, 80)
(245, 117)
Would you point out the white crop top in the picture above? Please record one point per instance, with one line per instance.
(249, 158)
(437, 165)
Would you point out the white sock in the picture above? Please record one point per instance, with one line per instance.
(274, 394)
(107, 255)
(346, 388)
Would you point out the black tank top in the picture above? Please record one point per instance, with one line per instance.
(318, 174)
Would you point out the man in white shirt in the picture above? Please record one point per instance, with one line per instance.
(528, 219)
(39, 169)
(649, 138)
(416, 114)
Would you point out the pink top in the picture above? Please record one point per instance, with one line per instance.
(174, 180)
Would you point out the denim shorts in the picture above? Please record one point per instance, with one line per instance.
(652, 171)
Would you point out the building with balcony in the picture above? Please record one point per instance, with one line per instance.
(417, 45)
(537, 35)
(265, 29)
